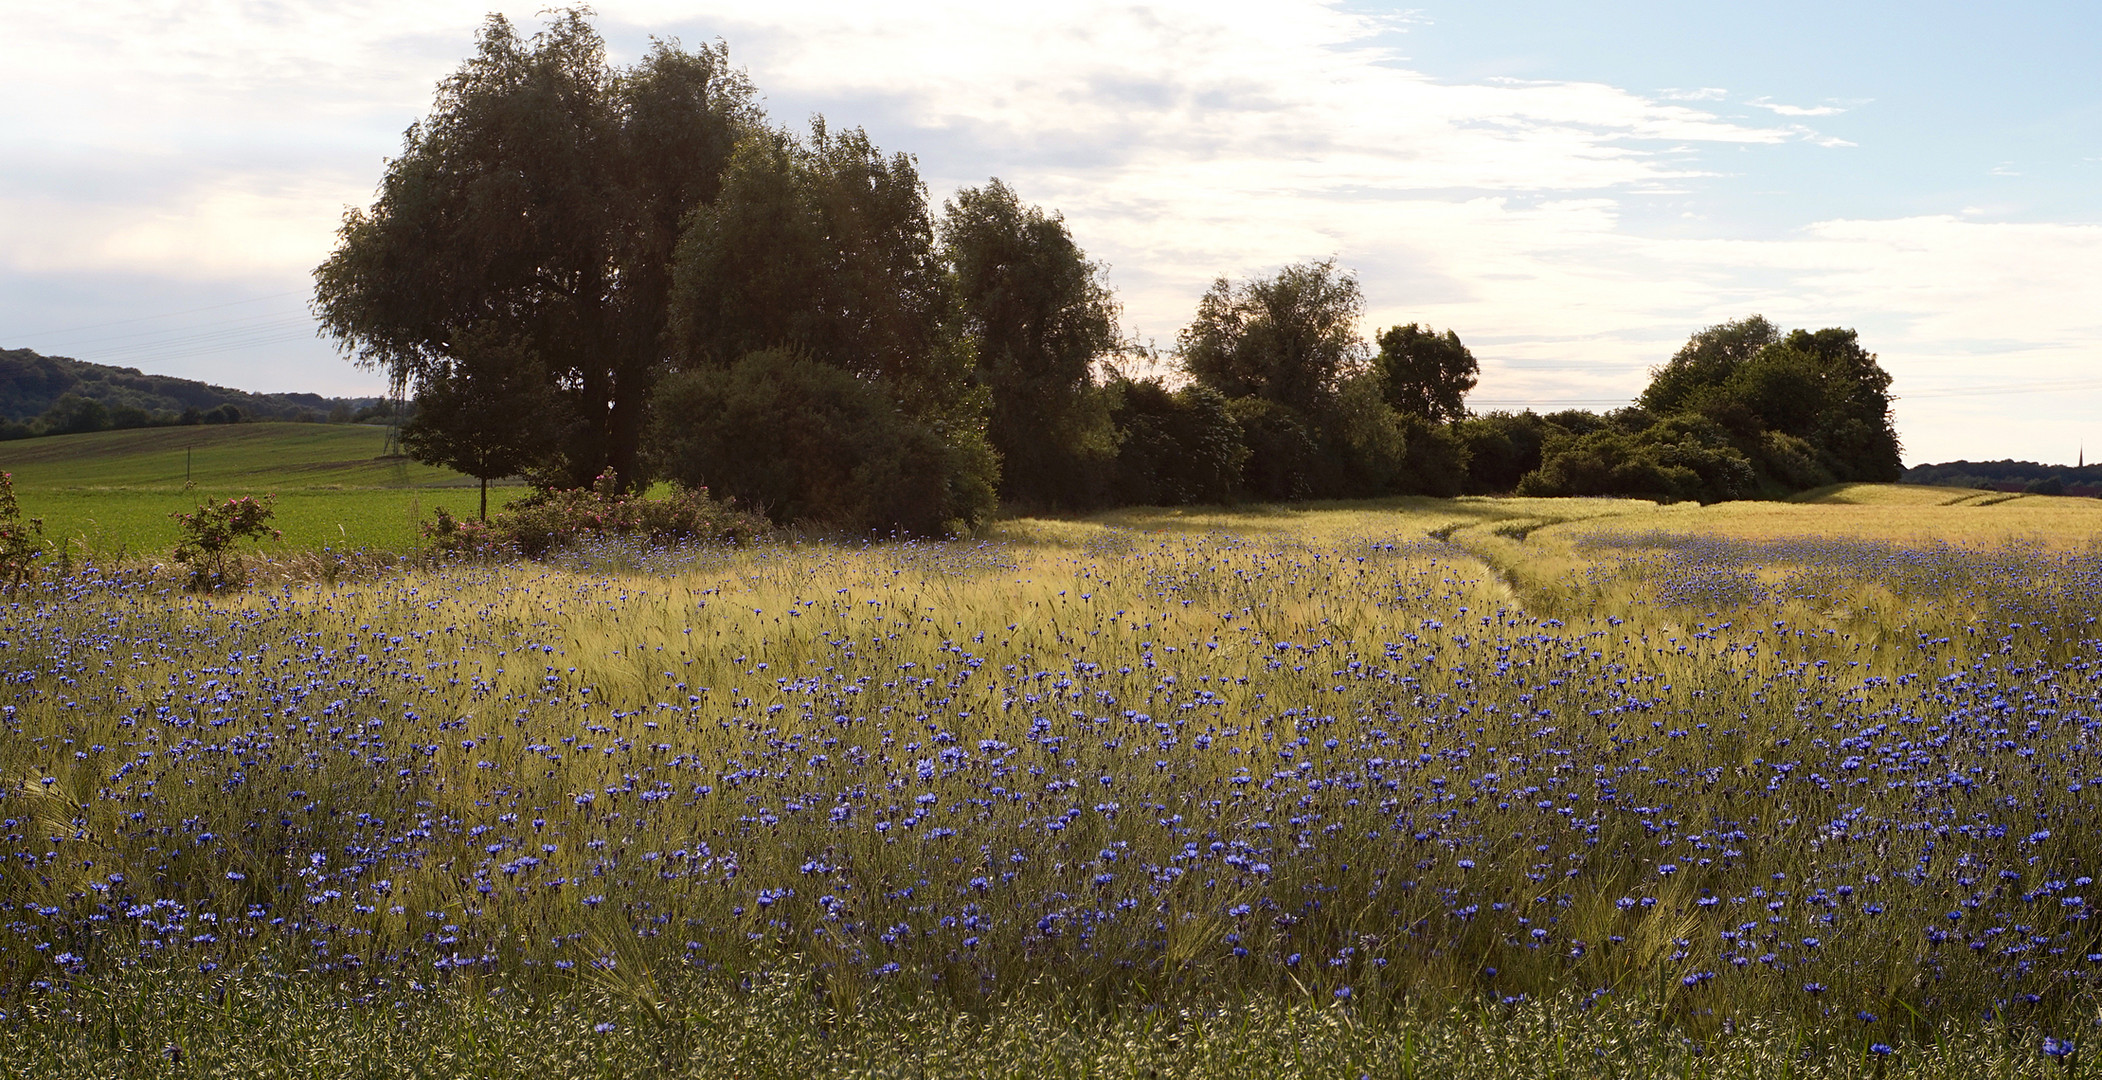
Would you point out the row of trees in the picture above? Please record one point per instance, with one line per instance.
(73, 414)
(579, 269)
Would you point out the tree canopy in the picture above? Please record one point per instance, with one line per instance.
(1037, 319)
(825, 247)
(1820, 389)
(1427, 374)
(1290, 339)
(541, 201)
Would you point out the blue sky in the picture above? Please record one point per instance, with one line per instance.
(1947, 105)
(1573, 187)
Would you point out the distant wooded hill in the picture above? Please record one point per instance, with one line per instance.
(2028, 476)
(58, 395)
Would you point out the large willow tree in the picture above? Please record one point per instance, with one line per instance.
(539, 204)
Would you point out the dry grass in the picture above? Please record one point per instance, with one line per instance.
(1890, 512)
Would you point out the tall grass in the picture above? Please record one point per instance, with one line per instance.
(1363, 785)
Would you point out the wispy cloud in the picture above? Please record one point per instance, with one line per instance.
(1795, 110)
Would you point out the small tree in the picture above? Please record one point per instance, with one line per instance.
(208, 537)
(21, 540)
(488, 414)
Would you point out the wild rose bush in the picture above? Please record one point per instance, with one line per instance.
(557, 519)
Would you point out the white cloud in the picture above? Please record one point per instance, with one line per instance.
(1795, 110)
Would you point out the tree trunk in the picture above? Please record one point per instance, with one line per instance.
(485, 500)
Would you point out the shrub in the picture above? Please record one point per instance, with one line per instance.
(1674, 459)
(1174, 446)
(1791, 463)
(1285, 462)
(1501, 448)
(552, 519)
(812, 444)
(209, 535)
(21, 539)
(447, 535)
(1437, 459)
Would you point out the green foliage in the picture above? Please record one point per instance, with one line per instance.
(1285, 461)
(1437, 459)
(825, 248)
(1791, 462)
(489, 414)
(1317, 419)
(1707, 359)
(546, 521)
(21, 539)
(1855, 429)
(1820, 389)
(1290, 340)
(1038, 317)
(1675, 459)
(1427, 374)
(822, 378)
(71, 414)
(813, 444)
(1364, 438)
(1177, 446)
(539, 203)
(1501, 448)
(209, 535)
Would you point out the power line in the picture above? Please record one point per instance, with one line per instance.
(1556, 402)
(203, 332)
(163, 315)
(2040, 387)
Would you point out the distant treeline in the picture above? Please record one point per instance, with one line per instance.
(2027, 476)
(581, 269)
(57, 395)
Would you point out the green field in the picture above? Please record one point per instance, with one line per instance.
(109, 494)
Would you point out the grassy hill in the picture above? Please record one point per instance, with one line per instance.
(279, 456)
(110, 492)
(31, 384)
